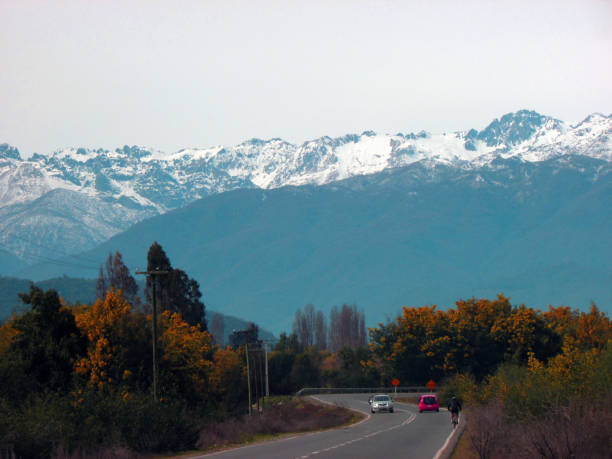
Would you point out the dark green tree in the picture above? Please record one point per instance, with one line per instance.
(280, 364)
(183, 295)
(288, 344)
(175, 291)
(42, 355)
(306, 369)
(281, 361)
(352, 373)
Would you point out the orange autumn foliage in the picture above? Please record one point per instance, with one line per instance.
(186, 357)
(478, 335)
(99, 323)
(119, 353)
(226, 372)
(7, 334)
(594, 329)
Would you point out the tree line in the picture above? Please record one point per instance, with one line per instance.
(474, 337)
(478, 335)
(346, 328)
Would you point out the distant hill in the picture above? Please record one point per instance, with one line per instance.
(72, 289)
(10, 288)
(9, 262)
(84, 291)
(421, 234)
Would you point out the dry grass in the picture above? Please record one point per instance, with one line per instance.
(464, 449)
(579, 430)
(286, 417)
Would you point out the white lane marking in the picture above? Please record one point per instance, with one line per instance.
(410, 419)
(283, 439)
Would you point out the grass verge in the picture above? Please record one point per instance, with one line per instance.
(282, 417)
(464, 449)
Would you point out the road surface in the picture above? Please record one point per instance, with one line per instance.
(404, 433)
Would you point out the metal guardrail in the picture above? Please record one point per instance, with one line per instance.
(361, 390)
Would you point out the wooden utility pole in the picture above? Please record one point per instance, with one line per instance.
(244, 335)
(246, 348)
(154, 325)
(267, 383)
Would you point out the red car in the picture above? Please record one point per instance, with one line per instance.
(429, 402)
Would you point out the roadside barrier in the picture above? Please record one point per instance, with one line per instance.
(361, 390)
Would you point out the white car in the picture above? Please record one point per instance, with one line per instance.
(380, 403)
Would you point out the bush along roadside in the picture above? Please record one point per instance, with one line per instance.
(559, 409)
(86, 424)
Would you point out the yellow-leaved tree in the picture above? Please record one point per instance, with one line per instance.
(118, 352)
(186, 361)
(7, 333)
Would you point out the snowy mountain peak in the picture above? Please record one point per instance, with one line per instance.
(596, 118)
(161, 181)
(152, 178)
(9, 152)
(515, 128)
(134, 151)
(80, 155)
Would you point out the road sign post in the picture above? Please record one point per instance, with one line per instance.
(395, 383)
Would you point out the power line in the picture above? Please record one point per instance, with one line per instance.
(54, 261)
(54, 249)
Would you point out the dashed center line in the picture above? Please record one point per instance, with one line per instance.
(411, 418)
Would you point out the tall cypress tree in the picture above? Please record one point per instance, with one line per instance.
(176, 292)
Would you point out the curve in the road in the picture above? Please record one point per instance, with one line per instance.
(404, 433)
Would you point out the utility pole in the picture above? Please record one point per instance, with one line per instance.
(244, 335)
(154, 325)
(267, 383)
(246, 348)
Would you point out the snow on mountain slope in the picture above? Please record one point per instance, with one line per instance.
(136, 173)
(60, 220)
(137, 182)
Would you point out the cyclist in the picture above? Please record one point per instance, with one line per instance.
(454, 407)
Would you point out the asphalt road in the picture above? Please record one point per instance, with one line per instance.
(404, 433)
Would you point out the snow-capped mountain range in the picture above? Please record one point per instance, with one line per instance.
(73, 199)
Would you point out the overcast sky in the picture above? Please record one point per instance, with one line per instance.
(177, 74)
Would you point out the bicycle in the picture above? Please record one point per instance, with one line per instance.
(454, 419)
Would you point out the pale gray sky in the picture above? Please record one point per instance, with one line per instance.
(174, 74)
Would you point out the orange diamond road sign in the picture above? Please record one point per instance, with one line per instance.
(431, 385)
(395, 382)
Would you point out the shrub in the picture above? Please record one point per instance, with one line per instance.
(87, 422)
(462, 386)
